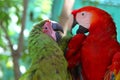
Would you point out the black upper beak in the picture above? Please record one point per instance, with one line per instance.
(57, 27)
(74, 23)
(81, 28)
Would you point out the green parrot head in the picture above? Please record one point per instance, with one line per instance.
(51, 28)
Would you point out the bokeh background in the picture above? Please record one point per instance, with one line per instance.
(17, 18)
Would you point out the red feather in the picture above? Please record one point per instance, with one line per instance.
(99, 49)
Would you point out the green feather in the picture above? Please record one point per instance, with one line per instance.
(48, 62)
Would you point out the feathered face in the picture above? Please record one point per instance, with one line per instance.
(52, 29)
(90, 17)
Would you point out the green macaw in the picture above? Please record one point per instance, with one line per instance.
(48, 61)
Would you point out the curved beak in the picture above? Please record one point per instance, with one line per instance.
(57, 27)
(81, 28)
(74, 23)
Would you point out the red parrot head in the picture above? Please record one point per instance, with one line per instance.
(91, 19)
(52, 28)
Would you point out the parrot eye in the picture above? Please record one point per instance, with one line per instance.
(83, 14)
(45, 27)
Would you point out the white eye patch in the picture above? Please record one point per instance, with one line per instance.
(84, 19)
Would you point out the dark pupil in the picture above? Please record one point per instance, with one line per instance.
(82, 14)
(45, 27)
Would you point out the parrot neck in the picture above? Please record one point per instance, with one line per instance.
(103, 30)
(103, 26)
(38, 41)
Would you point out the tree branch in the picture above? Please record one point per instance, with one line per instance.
(7, 37)
(21, 36)
(65, 15)
(16, 53)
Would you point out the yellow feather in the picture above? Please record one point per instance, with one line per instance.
(118, 76)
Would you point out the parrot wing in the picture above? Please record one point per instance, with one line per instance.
(114, 69)
(72, 56)
(74, 45)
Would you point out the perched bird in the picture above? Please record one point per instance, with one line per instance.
(48, 61)
(95, 56)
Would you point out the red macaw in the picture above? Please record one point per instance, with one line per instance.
(98, 53)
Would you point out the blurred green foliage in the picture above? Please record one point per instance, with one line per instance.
(11, 12)
(8, 9)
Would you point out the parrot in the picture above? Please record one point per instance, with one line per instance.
(47, 59)
(93, 53)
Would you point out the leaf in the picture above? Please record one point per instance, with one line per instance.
(2, 44)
